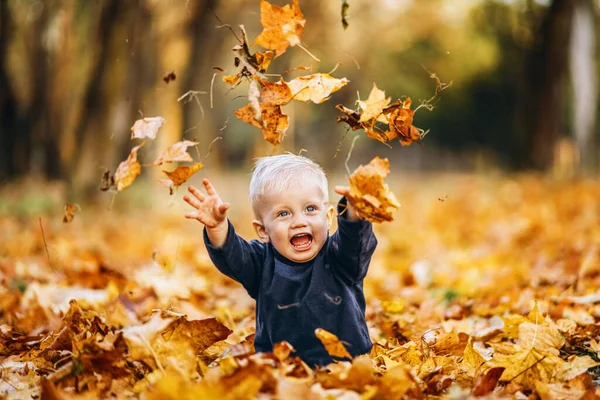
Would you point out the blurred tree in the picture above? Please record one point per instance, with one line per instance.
(584, 80)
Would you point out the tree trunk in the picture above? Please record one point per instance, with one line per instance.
(585, 83)
(544, 103)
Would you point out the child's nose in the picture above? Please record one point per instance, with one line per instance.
(299, 221)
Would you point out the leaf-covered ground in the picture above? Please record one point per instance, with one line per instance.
(482, 286)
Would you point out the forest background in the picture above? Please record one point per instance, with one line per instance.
(75, 75)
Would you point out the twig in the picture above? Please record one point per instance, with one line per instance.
(223, 25)
(339, 146)
(334, 68)
(224, 125)
(45, 243)
(308, 52)
(349, 154)
(112, 201)
(210, 146)
(193, 95)
(439, 87)
(353, 59)
(212, 83)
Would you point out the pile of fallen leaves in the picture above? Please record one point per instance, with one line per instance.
(498, 298)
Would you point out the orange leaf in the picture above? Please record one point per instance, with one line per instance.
(182, 174)
(316, 87)
(373, 106)
(128, 170)
(332, 344)
(69, 213)
(275, 93)
(146, 128)
(177, 152)
(283, 26)
(369, 195)
(232, 80)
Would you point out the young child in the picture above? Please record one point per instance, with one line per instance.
(300, 277)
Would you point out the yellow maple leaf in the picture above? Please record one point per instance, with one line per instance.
(177, 152)
(369, 195)
(525, 365)
(332, 344)
(315, 87)
(373, 106)
(283, 26)
(128, 170)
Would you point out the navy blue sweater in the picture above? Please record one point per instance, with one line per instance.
(293, 299)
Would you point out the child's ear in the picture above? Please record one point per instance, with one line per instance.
(330, 215)
(259, 228)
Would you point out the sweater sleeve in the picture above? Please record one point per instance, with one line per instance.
(240, 260)
(351, 247)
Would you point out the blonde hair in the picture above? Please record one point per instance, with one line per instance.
(279, 173)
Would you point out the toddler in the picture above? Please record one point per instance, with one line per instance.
(300, 277)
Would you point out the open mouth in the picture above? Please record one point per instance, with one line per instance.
(301, 242)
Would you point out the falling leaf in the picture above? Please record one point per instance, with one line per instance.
(146, 128)
(332, 344)
(69, 213)
(232, 80)
(316, 87)
(400, 118)
(345, 7)
(177, 152)
(369, 195)
(128, 170)
(275, 93)
(273, 122)
(182, 174)
(373, 106)
(107, 181)
(283, 26)
(169, 77)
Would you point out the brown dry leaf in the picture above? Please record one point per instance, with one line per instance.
(183, 173)
(69, 213)
(369, 195)
(283, 26)
(128, 170)
(273, 122)
(146, 127)
(350, 117)
(316, 87)
(275, 93)
(400, 119)
(486, 382)
(373, 106)
(177, 152)
(332, 344)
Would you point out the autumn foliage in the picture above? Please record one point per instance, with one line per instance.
(481, 292)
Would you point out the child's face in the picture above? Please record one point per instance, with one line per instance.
(296, 221)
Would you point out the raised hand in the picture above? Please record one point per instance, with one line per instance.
(210, 209)
(350, 212)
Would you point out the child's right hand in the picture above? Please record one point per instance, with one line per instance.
(211, 210)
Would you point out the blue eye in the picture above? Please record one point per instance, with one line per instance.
(311, 208)
(283, 214)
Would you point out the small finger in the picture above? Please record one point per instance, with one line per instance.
(209, 187)
(197, 193)
(191, 215)
(191, 201)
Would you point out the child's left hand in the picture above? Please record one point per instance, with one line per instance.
(351, 213)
